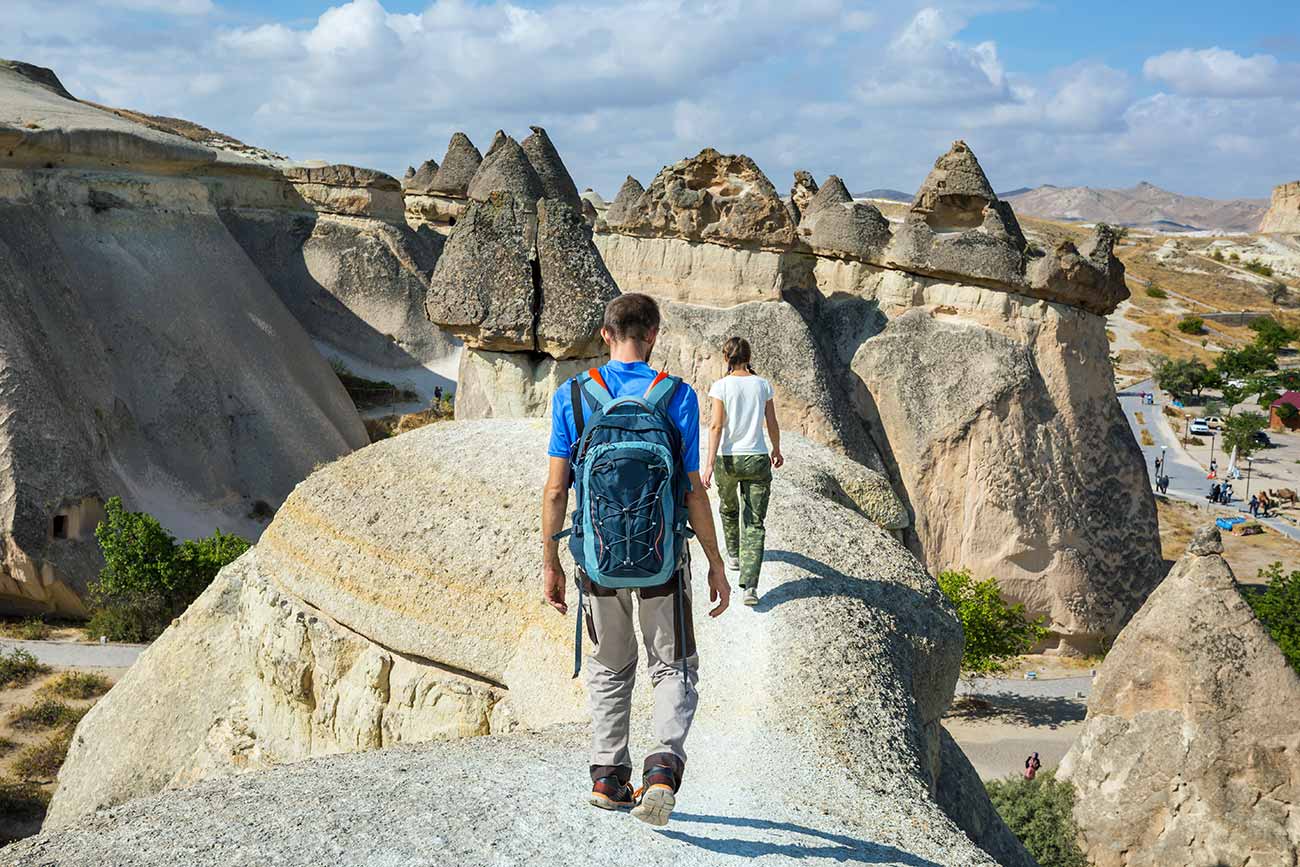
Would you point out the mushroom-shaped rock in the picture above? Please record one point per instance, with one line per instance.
(506, 169)
(342, 175)
(1091, 278)
(833, 192)
(955, 193)
(575, 284)
(458, 167)
(422, 180)
(805, 187)
(482, 287)
(723, 198)
(622, 209)
(857, 230)
(546, 162)
(1190, 753)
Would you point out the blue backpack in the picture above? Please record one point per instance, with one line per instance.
(629, 520)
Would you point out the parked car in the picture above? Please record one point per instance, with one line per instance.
(1199, 427)
(1213, 421)
(1262, 439)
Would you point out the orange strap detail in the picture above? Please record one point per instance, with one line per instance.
(594, 373)
(663, 374)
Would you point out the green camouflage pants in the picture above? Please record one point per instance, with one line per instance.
(744, 481)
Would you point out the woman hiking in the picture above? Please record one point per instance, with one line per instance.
(739, 454)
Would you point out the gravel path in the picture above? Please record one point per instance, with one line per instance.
(70, 654)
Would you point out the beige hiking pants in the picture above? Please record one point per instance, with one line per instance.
(611, 672)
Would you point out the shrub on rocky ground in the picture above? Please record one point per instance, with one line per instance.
(41, 761)
(1191, 325)
(18, 667)
(1156, 292)
(1041, 813)
(77, 685)
(370, 393)
(7, 746)
(1278, 607)
(46, 713)
(30, 629)
(995, 632)
(20, 799)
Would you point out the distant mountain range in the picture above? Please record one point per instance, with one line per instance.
(1144, 206)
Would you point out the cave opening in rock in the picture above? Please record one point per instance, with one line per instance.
(59, 526)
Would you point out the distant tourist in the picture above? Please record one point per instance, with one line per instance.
(1163, 485)
(437, 393)
(1216, 490)
(1254, 506)
(648, 488)
(1032, 764)
(1225, 496)
(739, 454)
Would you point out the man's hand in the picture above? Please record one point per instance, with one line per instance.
(719, 589)
(553, 585)
(777, 458)
(706, 476)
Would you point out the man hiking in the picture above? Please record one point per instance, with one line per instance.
(627, 438)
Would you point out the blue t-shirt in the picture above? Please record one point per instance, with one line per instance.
(624, 378)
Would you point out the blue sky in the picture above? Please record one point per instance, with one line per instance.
(1197, 97)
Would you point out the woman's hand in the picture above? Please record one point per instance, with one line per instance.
(706, 476)
(778, 459)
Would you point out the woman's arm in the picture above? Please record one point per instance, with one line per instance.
(774, 434)
(716, 423)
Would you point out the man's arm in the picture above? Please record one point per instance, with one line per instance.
(701, 518)
(555, 502)
(774, 434)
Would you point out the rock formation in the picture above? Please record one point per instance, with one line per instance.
(437, 200)
(376, 611)
(142, 353)
(458, 167)
(622, 208)
(935, 351)
(1190, 754)
(420, 181)
(520, 282)
(805, 187)
(546, 162)
(1283, 214)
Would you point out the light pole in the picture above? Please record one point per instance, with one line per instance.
(1213, 468)
(1249, 463)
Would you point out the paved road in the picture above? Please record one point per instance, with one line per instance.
(1053, 687)
(1186, 477)
(71, 653)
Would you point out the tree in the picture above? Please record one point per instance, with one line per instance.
(1244, 362)
(1040, 812)
(1182, 378)
(1239, 433)
(1272, 335)
(1286, 411)
(147, 578)
(1233, 395)
(1191, 325)
(995, 631)
(1278, 608)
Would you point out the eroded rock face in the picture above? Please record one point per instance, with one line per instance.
(506, 169)
(377, 575)
(575, 284)
(1190, 754)
(421, 180)
(623, 208)
(723, 198)
(557, 185)
(805, 187)
(1091, 278)
(1283, 214)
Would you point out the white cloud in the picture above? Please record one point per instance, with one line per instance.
(167, 7)
(1219, 72)
(925, 65)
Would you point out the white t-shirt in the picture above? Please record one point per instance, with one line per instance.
(745, 399)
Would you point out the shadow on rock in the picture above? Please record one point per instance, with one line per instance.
(841, 848)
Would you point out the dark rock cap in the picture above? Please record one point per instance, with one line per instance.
(624, 203)
(576, 285)
(342, 175)
(458, 167)
(506, 169)
(1205, 541)
(557, 184)
(420, 181)
(498, 138)
(833, 192)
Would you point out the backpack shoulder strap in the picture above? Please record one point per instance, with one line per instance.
(661, 390)
(594, 387)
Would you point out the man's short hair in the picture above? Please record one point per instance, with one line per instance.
(632, 316)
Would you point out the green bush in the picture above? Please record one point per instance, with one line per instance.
(7, 746)
(47, 713)
(1256, 267)
(147, 578)
(1041, 813)
(1285, 411)
(1239, 433)
(1272, 335)
(31, 629)
(995, 631)
(1191, 325)
(42, 761)
(1184, 378)
(1278, 608)
(79, 685)
(18, 667)
(1154, 291)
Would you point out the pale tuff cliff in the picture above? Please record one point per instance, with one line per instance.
(141, 352)
(1283, 213)
(377, 611)
(1191, 754)
(941, 351)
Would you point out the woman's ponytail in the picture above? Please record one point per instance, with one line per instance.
(736, 351)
